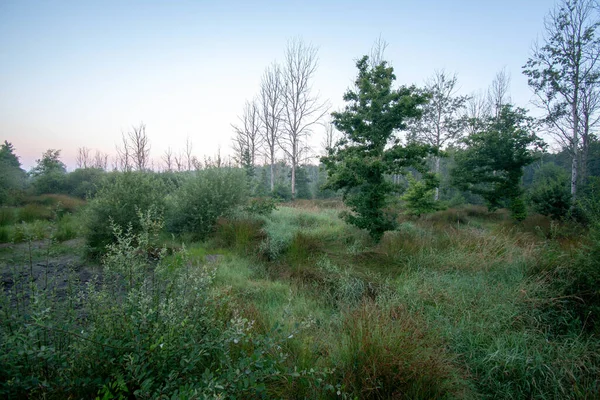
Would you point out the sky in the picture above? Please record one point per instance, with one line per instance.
(80, 73)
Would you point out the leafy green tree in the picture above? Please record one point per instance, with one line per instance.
(12, 177)
(492, 164)
(49, 173)
(419, 196)
(369, 149)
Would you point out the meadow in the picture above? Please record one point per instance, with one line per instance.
(295, 303)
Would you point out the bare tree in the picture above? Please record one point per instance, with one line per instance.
(301, 108)
(271, 107)
(248, 136)
(377, 55)
(498, 94)
(188, 153)
(477, 109)
(140, 147)
(441, 123)
(168, 159)
(564, 71)
(123, 160)
(179, 161)
(100, 160)
(83, 159)
(332, 135)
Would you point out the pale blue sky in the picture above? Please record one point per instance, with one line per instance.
(77, 73)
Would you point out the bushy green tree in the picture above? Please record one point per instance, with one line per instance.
(420, 195)
(49, 173)
(118, 202)
(369, 148)
(492, 163)
(12, 177)
(207, 195)
(550, 194)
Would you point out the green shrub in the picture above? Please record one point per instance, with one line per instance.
(552, 199)
(30, 231)
(66, 228)
(282, 192)
(261, 206)
(84, 182)
(550, 194)
(118, 202)
(7, 216)
(151, 330)
(419, 195)
(203, 198)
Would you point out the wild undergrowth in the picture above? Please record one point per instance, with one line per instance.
(294, 303)
(459, 304)
(149, 326)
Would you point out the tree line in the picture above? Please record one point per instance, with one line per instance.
(428, 146)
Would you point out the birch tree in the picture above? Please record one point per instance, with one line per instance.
(302, 109)
(441, 123)
(563, 70)
(271, 107)
(248, 139)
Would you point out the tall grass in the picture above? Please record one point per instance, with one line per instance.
(448, 306)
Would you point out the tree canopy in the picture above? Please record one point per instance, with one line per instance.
(492, 163)
(370, 149)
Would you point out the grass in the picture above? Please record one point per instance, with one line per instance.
(43, 217)
(465, 284)
(458, 304)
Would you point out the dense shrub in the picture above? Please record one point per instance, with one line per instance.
(84, 182)
(550, 194)
(203, 198)
(118, 202)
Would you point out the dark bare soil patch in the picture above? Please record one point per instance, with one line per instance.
(47, 266)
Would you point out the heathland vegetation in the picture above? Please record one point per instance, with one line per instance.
(438, 249)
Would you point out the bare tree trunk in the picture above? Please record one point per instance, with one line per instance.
(575, 149)
(437, 171)
(188, 153)
(272, 177)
